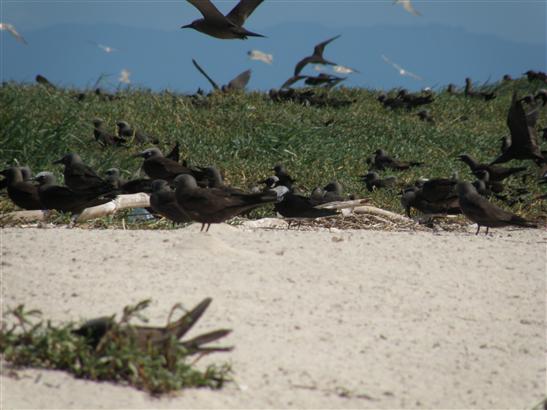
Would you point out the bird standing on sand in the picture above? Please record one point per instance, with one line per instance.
(215, 205)
(215, 24)
(483, 213)
(316, 57)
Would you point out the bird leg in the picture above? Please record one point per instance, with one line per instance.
(487, 228)
(202, 226)
(478, 229)
(208, 226)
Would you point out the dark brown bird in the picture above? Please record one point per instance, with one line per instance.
(215, 205)
(96, 332)
(215, 24)
(164, 201)
(536, 76)
(496, 172)
(82, 178)
(383, 161)
(483, 213)
(468, 92)
(373, 181)
(425, 116)
(40, 79)
(174, 154)
(103, 137)
(524, 141)
(125, 131)
(23, 193)
(64, 199)
(133, 186)
(238, 83)
(316, 57)
(156, 166)
(325, 80)
(434, 196)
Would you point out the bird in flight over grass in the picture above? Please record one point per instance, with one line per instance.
(11, 29)
(215, 24)
(260, 56)
(401, 70)
(407, 5)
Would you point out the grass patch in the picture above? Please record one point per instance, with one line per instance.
(121, 356)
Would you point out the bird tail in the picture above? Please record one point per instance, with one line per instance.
(519, 221)
(248, 33)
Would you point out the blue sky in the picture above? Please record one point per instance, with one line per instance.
(453, 26)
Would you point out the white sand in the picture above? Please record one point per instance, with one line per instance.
(340, 319)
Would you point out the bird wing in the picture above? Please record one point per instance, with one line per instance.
(242, 11)
(407, 5)
(202, 71)
(319, 48)
(11, 29)
(239, 82)
(175, 153)
(301, 64)
(208, 10)
(292, 80)
(522, 134)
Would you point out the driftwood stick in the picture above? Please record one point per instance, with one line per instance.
(140, 200)
(381, 212)
(343, 204)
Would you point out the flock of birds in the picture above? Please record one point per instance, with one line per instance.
(184, 193)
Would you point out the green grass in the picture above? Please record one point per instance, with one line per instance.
(246, 134)
(40, 344)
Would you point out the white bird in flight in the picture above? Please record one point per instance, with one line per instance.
(407, 5)
(107, 49)
(10, 29)
(401, 70)
(340, 69)
(260, 56)
(124, 76)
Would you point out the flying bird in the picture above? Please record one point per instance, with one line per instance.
(11, 29)
(124, 76)
(238, 83)
(401, 70)
(106, 49)
(316, 57)
(260, 56)
(407, 5)
(215, 24)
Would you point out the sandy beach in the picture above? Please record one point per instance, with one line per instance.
(320, 319)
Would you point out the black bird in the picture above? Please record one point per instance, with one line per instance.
(524, 141)
(215, 205)
(103, 137)
(23, 193)
(125, 131)
(414, 100)
(496, 172)
(163, 200)
(156, 166)
(40, 79)
(468, 92)
(487, 186)
(434, 196)
(316, 57)
(291, 205)
(238, 83)
(82, 178)
(64, 199)
(95, 332)
(483, 213)
(133, 186)
(536, 75)
(215, 24)
(372, 180)
(383, 161)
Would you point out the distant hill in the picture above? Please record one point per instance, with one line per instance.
(162, 59)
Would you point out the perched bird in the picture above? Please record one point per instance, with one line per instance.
(495, 172)
(372, 180)
(401, 70)
(407, 5)
(22, 193)
(484, 185)
(238, 83)
(97, 331)
(215, 205)
(316, 57)
(468, 91)
(82, 178)
(64, 199)
(40, 79)
(126, 131)
(156, 166)
(291, 205)
(536, 75)
(11, 29)
(434, 196)
(383, 161)
(163, 200)
(103, 137)
(524, 141)
(260, 56)
(215, 24)
(479, 210)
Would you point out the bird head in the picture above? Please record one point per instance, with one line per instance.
(149, 153)
(194, 24)
(185, 181)
(68, 159)
(45, 177)
(159, 185)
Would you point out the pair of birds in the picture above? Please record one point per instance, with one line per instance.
(125, 134)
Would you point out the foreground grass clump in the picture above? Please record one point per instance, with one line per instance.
(245, 134)
(117, 358)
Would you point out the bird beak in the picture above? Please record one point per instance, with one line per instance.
(59, 161)
(187, 26)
